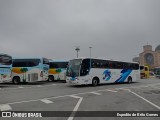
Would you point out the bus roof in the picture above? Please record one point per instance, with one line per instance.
(58, 60)
(29, 58)
(105, 59)
(5, 54)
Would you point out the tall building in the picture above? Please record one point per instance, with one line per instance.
(150, 57)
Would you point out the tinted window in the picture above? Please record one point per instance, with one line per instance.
(136, 66)
(104, 64)
(119, 65)
(5, 60)
(99, 63)
(112, 64)
(58, 64)
(85, 66)
(133, 66)
(26, 62)
(96, 63)
(45, 61)
(73, 67)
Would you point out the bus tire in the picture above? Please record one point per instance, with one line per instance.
(51, 78)
(129, 80)
(95, 82)
(16, 80)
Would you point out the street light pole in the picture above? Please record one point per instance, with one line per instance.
(90, 51)
(90, 56)
(77, 49)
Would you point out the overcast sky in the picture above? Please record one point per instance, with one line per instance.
(116, 29)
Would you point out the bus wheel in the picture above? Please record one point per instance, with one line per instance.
(16, 80)
(94, 82)
(51, 78)
(129, 80)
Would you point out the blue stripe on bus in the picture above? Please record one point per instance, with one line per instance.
(124, 75)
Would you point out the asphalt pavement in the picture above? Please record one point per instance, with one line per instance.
(142, 96)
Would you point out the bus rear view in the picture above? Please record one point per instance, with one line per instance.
(5, 68)
(30, 70)
(57, 70)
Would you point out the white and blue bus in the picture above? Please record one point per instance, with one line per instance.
(30, 70)
(57, 70)
(97, 71)
(5, 68)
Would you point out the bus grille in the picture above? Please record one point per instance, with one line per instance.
(32, 77)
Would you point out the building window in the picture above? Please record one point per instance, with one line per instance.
(149, 58)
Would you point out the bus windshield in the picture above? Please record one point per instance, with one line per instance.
(5, 59)
(26, 62)
(74, 67)
(45, 61)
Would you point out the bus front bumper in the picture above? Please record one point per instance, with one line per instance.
(73, 82)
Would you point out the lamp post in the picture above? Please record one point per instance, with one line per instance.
(77, 49)
(90, 51)
(90, 56)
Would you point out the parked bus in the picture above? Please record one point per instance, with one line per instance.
(96, 71)
(30, 70)
(5, 68)
(144, 72)
(57, 70)
(157, 72)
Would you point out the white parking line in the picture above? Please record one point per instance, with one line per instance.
(112, 90)
(47, 101)
(33, 100)
(144, 99)
(77, 97)
(54, 84)
(20, 87)
(96, 93)
(137, 87)
(5, 107)
(76, 107)
(155, 87)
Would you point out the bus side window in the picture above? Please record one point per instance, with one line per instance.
(136, 66)
(119, 65)
(110, 65)
(106, 64)
(85, 67)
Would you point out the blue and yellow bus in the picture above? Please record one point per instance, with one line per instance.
(30, 70)
(5, 68)
(57, 70)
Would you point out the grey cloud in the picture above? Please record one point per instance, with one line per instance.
(115, 29)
